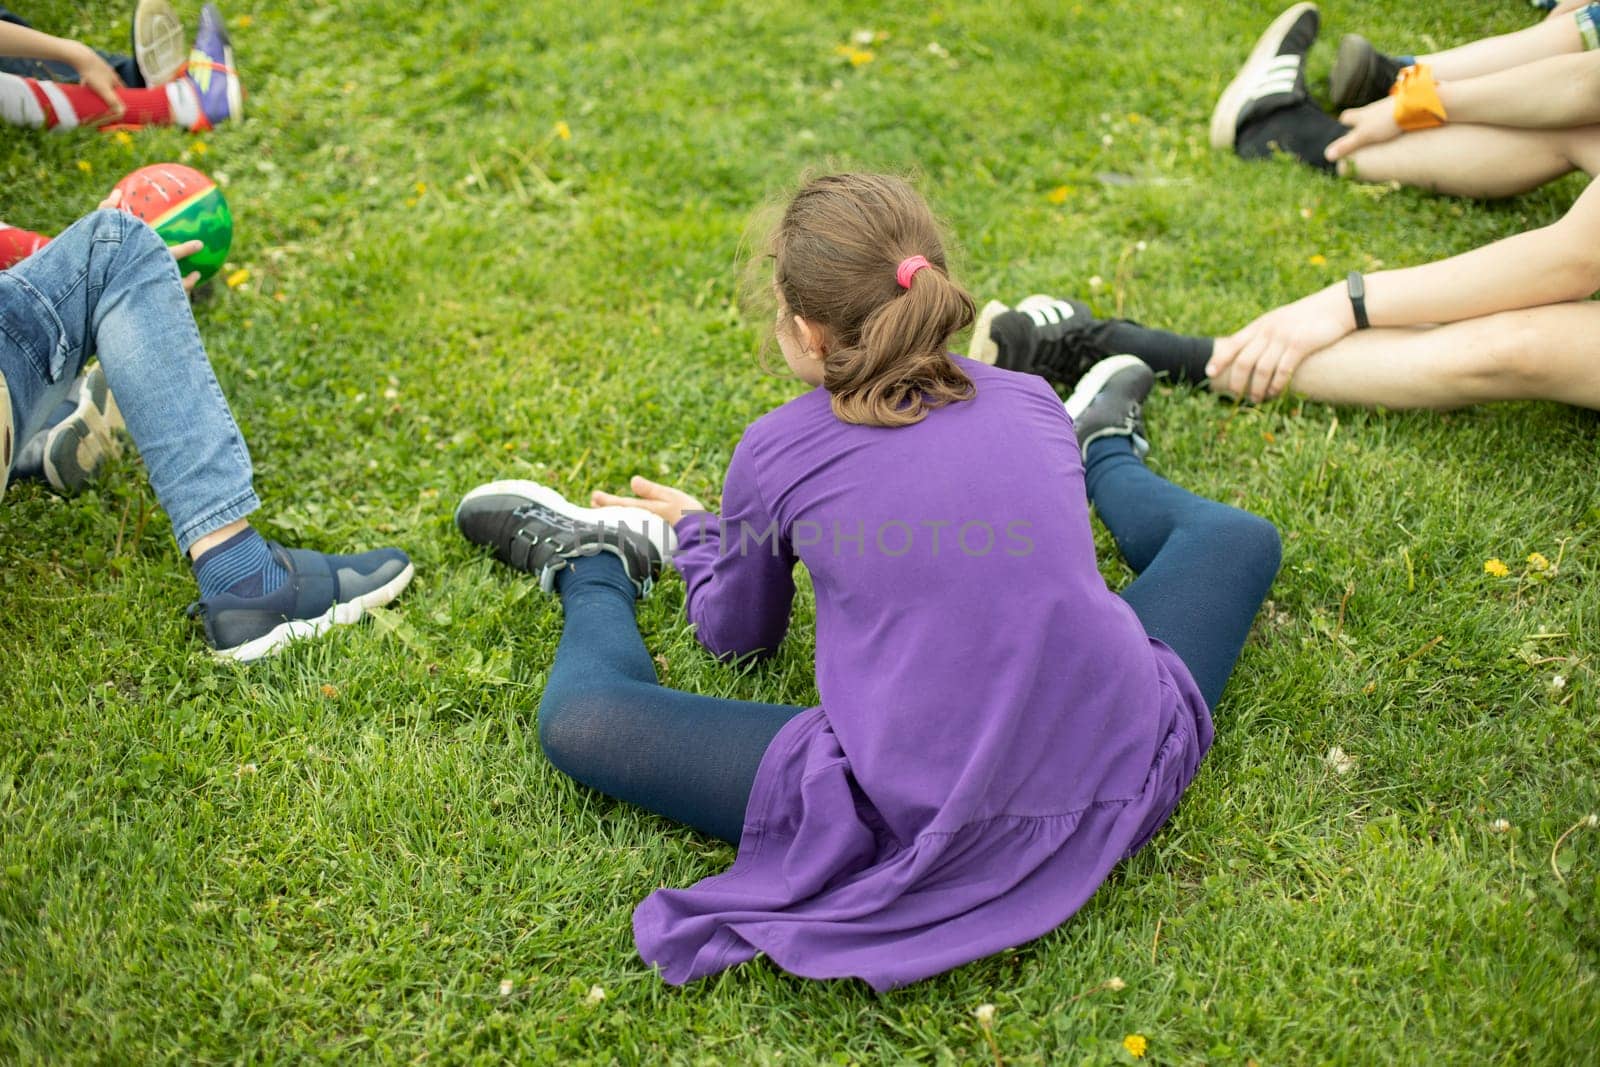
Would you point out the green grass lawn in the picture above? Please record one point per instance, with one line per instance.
(354, 850)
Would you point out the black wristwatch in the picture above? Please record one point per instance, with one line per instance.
(1357, 287)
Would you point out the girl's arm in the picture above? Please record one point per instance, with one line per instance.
(1548, 94)
(738, 567)
(1550, 265)
(93, 72)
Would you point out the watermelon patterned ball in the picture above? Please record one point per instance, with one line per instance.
(181, 204)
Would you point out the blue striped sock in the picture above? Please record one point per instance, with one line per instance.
(240, 566)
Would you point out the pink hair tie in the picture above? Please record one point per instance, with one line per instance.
(908, 268)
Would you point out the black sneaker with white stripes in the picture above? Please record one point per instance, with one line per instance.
(1273, 77)
(1109, 402)
(1053, 337)
(1361, 73)
(535, 529)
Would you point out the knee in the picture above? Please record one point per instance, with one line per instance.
(1511, 352)
(1253, 543)
(574, 726)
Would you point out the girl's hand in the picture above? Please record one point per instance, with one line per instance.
(1372, 124)
(1258, 361)
(97, 75)
(662, 500)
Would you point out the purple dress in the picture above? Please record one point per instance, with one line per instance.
(996, 730)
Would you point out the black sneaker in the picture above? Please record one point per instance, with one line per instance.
(1109, 402)
(1053, 337)
(323, 591)
(1274, 76)
(535, 529)
(1361, 73)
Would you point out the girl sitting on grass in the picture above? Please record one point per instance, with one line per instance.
(997, 729)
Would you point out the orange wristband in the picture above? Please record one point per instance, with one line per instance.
(1416, 99)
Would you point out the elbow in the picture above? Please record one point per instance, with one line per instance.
(738, 648)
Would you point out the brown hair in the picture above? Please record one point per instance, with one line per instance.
(834, 253)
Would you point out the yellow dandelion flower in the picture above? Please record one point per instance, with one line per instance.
(860, 57)
(1136, 1045)
(349, 87)
(238, 277)
(1134, 118)
(1538, 561)
(85, 166)
(199, 148)
(421, 187)
(1496, 568)
(1059, 194)
(1318, 260)
(243, 21)
(563, 131)
(123, 138)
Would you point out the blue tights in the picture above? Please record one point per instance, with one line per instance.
(1203, 567)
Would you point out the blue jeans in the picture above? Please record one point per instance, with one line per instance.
(38, 69)
(108, 287)
(1204, 568)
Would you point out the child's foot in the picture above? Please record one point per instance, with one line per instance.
(69, 452)
(1109, 402)
(1361, 73)
(535, 529)
(5, 436)
(159, 46)
(1273, 76)
(1050, 336)
(211, 72)
(317, 592)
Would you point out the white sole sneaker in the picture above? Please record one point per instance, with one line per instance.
(159, 44)
(77, 447)
(1225, 116)
(983, 349)
(1090, 384)
(647, 523)
(345, 614)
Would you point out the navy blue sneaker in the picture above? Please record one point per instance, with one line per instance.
(322, 591)
(535, 529)
(1109, 402)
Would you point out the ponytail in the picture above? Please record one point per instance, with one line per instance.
(861, 256)
(900, 369)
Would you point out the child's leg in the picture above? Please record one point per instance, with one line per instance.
(1538, 353)
(52, 105)
(1477, 161)
(108, 285)
(1204, 568)
(605, 720)
(17, 244)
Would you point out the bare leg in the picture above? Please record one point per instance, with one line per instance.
(1543, 353)
(1552, 37)
(1477, 161)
